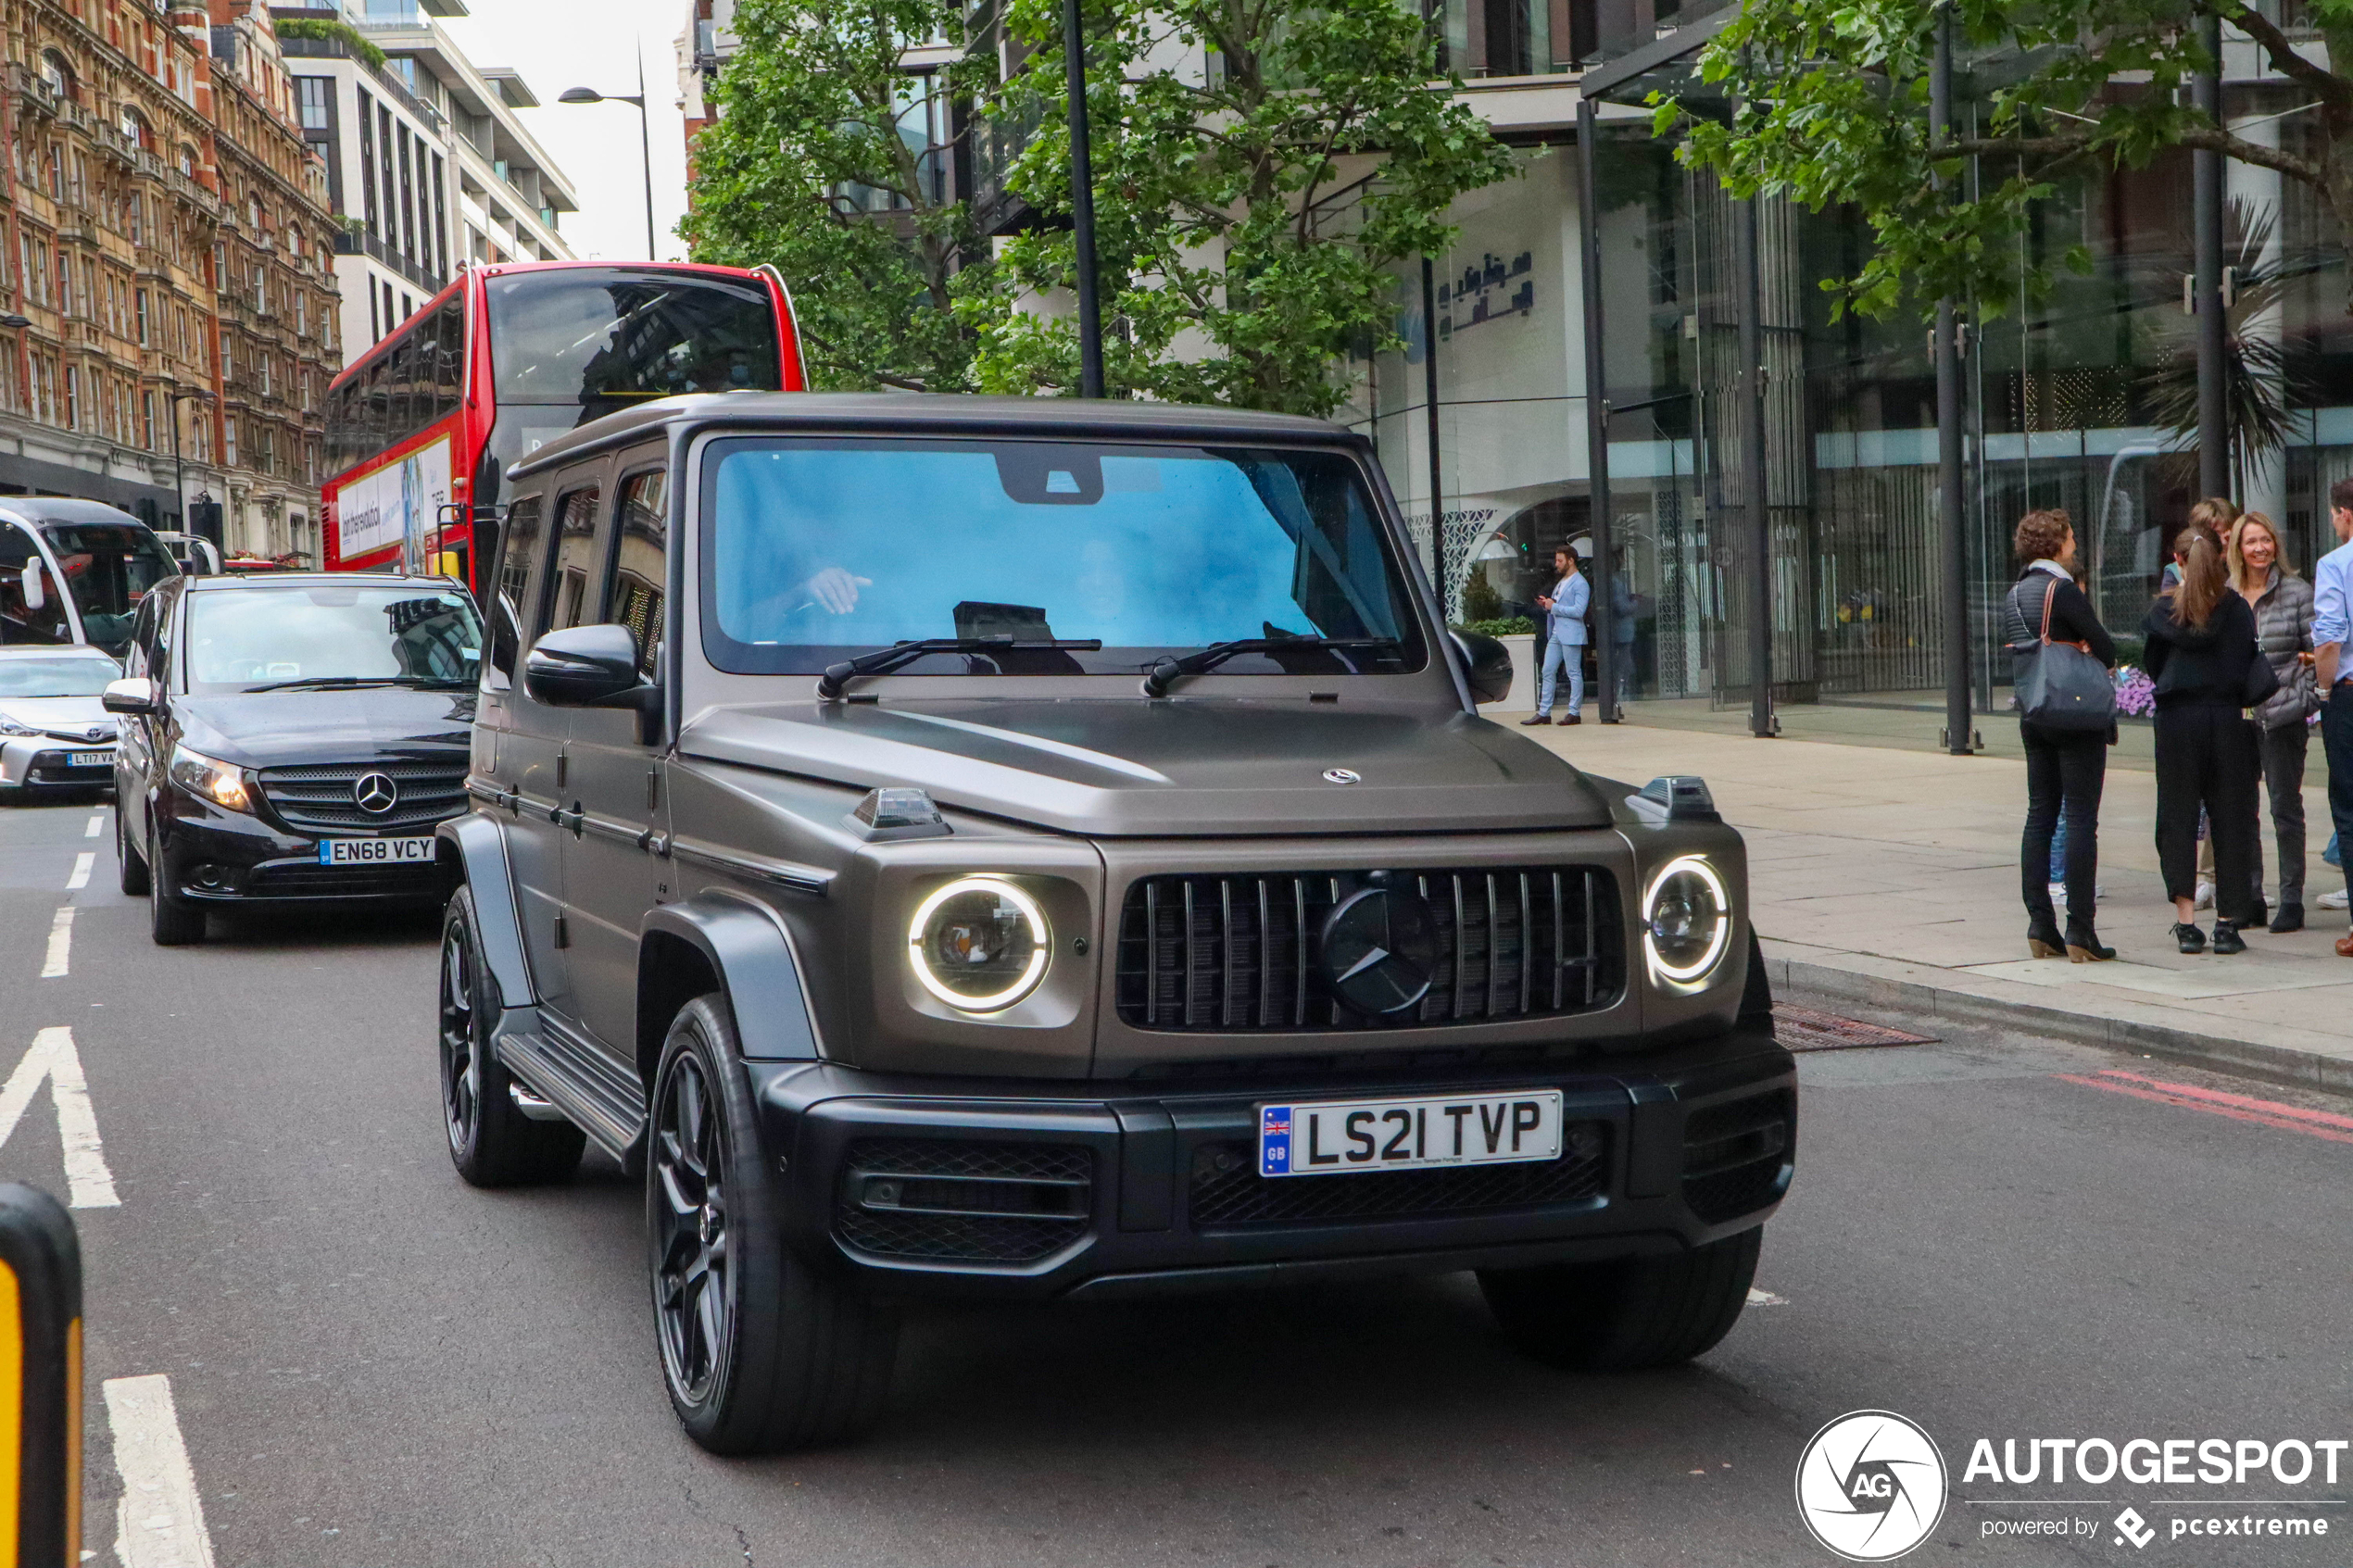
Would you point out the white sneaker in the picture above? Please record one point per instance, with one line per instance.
(2336, 900)
(2205, 897)
(2058, 895)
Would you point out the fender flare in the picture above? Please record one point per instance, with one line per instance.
(749, 951)
(477, 846)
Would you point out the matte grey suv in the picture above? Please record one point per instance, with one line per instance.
(1029, 848)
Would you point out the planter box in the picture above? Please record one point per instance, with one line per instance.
(1523, 649)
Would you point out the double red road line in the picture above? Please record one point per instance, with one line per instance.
(2239, 1107)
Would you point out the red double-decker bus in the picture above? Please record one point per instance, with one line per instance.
(422, 431)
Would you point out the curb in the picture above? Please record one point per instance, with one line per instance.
(2280, 1064)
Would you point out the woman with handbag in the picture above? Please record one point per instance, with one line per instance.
(2061, 656)
(2202, 656)
(2265, 579)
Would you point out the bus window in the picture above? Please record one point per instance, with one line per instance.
(449, 367)
(108, 567)
(561, 338)
(19, 621)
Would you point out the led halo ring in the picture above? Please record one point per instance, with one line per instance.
(1041, 938)
(1698, 865)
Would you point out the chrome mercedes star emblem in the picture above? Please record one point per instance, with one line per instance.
(375, 794)
(1342, 775)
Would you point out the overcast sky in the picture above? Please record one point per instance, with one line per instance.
(561, 43)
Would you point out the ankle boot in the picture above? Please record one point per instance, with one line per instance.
(2083, 946)
(2290, 917)
(2043, 939)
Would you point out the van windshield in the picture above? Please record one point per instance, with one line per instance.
(816, 550)
(109, 567)
(315, 634)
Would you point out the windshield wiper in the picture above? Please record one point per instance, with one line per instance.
(350, 682)
(1169, 670)
(882, 661)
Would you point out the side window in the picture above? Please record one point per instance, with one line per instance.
(641, 556)
(522, 544)
(159, 646)
(20, 621)
(136, 660)
(569, 596)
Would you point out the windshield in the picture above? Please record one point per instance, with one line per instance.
(83, 675)
(819, 549)
(574, 337)
(310, 634)
(109, 567)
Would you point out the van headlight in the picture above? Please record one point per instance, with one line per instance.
(981, 944)
(1687, 920)
(217, 782)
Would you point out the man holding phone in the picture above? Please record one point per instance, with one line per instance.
(1564, 610)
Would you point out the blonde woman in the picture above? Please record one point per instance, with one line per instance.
(2264, 576)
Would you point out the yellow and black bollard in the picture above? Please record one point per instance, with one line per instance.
(40, 1381)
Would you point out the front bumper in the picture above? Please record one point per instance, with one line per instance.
(215, 856)
(999, 1189)
(46, 763)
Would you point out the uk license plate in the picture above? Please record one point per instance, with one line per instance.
(1336, 1136)
(375, 851)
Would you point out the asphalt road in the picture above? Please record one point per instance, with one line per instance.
(373, 1364)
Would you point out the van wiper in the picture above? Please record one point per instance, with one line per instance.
(1169, 670)
(882, 661)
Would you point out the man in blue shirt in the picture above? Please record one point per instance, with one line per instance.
(1565, 630)
(2332, 626)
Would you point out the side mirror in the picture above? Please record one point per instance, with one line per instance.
(1489, 666)
(35, 594)
(581, 667)
(135, 696)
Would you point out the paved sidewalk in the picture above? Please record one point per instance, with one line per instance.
(1890, 876)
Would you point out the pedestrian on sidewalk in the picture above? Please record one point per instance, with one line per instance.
(2065, 769)
(1564, 609)
(2208, 672)
(2215, 517)
(2331, 623)
(2264, 576)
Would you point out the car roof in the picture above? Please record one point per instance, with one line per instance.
(233, 578)
(52, 650)
(936, 414)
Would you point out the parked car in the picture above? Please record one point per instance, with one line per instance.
(74, 571)
(1026, 849)
(54, 733)
(292, 739)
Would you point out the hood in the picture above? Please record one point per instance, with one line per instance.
(270, 729)
(1205, 767)
(61, 718)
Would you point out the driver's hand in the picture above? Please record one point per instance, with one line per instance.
(836, 589)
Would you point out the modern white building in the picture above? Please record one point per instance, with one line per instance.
(429, 166)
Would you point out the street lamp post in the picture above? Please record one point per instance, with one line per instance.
(179, 480)
(644, 137)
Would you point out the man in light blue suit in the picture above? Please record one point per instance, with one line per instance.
(1565, 639)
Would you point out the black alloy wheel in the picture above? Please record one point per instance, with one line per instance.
(172, 921)
(761, 1352)
(492, 1143)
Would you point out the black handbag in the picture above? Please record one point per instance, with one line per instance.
(2262, 681)
(2060, 686)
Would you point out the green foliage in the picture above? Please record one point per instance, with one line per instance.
(1246, 215)
(810, 167)
(326, 30)
(1829, 106)
(1502, 626)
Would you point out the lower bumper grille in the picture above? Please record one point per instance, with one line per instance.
(943, 1202)
(299, 881)
(1226, 1190)
(1736, 1157)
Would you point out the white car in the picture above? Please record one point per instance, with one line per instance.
(53, 735)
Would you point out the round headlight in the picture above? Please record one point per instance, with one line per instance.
(1687, 919)
(978, 944)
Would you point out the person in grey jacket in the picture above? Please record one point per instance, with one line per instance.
(2264, 576)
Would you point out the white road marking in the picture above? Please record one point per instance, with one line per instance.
(159, 1523)
(97, 825)
(82, 864)
(1765, 1298)
(53, 1057)
(60, 942)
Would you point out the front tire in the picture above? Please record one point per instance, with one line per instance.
(131, 870)
(172, 921)
(1627, 1314)
(760, 1353)
(491, 1141)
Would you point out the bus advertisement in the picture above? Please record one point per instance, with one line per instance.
(422, 430)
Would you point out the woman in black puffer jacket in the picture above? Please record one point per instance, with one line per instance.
(2265, 579)
(2201, 647)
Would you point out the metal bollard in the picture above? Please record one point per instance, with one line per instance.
(40, 1381)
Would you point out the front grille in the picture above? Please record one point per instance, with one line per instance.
(941, 1202)
(303, 881)
(1736, 1157)
(1233, 953)
(1226, 1190)
(318, 798)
